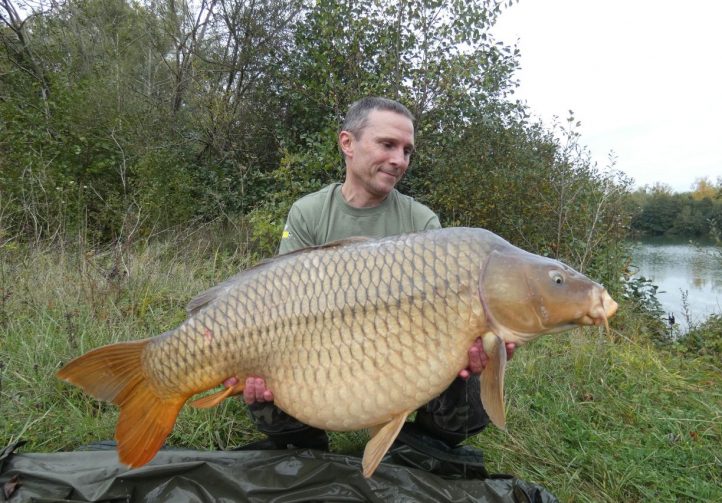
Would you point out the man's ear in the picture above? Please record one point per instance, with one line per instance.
(345, 143)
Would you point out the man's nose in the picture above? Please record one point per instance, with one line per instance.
(398, 158)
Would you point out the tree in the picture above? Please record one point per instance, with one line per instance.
(162, 112)
(436, 57)
(658, 214)
(538, 190)
(704, 188)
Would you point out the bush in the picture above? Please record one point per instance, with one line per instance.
(704, 339)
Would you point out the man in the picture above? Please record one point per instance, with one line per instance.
(377, 140)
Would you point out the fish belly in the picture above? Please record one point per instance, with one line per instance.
(370, 372)
(346, 337)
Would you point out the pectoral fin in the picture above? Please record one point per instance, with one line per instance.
(382, 436)
(492, 380)
(209, 401)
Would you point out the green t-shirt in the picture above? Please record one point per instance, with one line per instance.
(325, 216)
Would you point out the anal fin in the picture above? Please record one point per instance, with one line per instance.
(492, 380)
(209, 401)
(382, 436)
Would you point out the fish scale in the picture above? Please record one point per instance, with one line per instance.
(349, 335)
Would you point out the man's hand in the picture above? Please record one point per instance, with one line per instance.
(478, 358)
(254, 391)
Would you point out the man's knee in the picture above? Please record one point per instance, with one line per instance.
(284, 429)
(456, 414)
(271, 420)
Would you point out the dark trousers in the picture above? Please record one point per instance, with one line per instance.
(453, 416)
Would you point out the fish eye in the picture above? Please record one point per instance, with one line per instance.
(556, 277)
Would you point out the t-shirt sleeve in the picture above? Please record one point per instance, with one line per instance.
(423, 218)
(296, 233)
(432, 223)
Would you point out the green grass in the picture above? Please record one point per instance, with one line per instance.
(591, 417)
(595, 420)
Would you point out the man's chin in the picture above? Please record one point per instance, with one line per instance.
(386, 182)
(383, 189)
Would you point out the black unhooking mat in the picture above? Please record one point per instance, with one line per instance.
(177, 475)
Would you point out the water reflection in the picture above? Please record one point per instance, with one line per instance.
(679, 268)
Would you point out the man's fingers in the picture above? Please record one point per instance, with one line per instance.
(255, 391)
(510, 348)
(230, 382)
(260, 389)
(249, 391)
(476, 362)
(475, 359)
(484, 359)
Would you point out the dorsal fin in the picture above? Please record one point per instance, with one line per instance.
(203, 299)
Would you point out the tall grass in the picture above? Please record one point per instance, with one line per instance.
(591, 417)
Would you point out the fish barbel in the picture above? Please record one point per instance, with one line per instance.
(350, 335)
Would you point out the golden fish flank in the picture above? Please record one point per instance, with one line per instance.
(350, 335)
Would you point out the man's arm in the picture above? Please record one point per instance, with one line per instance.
(255, 390)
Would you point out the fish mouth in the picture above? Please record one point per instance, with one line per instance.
(604, 308)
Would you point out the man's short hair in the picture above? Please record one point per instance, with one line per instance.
(358, 113)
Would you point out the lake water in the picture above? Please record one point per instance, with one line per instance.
(678, 267)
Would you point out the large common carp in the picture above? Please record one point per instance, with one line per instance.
(350, 335)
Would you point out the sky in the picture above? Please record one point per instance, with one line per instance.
(644, 78)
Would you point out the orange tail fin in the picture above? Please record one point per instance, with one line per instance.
(114, 373)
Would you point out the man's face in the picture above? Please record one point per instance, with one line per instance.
(377, 158)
